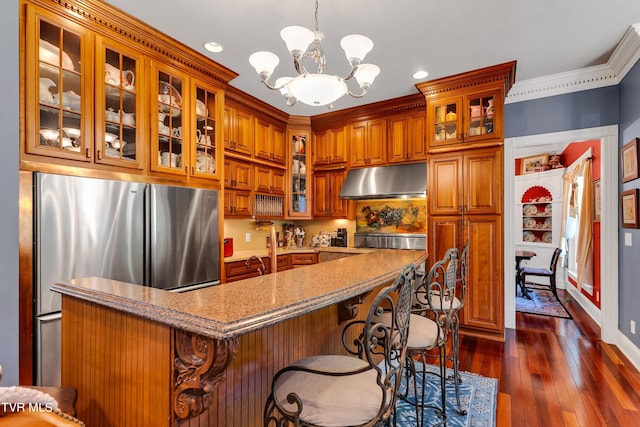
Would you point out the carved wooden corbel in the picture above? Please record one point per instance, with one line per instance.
(199, 365)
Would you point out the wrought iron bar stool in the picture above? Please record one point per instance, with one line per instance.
(336, 390)
(457, 305)
(430, 322)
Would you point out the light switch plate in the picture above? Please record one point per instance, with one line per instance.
(247, 237)
(627, 239)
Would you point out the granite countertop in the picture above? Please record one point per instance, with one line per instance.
(232, 309)
(243, 255)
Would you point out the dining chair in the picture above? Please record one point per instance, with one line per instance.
(359, 389)
(544, 272)
(431, 319)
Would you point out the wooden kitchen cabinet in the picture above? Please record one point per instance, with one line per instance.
(170, 131)
(468, 182)
(329, 147)
(59, 95)
(239, 270)
(326, 195)
(368, 143)
(269, 180)
(465, 203)
(238, 184)
(465, 119)
(303, 259)
(269, 192)
(465, 185)
(237, 203)
(204, 145)
(283, 262)
(406, 138)
(185, 111)
(269, 141)
(238, 175)
(238, 130)
(483, 312)
(299, 175)
(467, 109)
(120, 119)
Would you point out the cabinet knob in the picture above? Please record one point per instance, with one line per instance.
(99, 155)
(86, 153)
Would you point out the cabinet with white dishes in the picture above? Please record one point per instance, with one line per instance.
(120, 119)
(539, 206)
(57, 97)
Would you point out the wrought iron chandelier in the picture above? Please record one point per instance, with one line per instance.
(316, 89)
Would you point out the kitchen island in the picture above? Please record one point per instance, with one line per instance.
(144, 356)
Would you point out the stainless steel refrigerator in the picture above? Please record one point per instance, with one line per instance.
(152, 235)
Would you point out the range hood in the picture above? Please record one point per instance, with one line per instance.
(384, 182)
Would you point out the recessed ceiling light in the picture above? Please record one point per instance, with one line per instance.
(213, 47)
(420, 74)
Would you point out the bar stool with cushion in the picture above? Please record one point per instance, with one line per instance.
(337, 390)
(544, 272)
(430, 323)
(457, 304)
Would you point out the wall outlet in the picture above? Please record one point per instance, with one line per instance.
(632, 327)
(627, 239)
(247, 237)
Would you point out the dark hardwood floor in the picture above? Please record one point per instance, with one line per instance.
(557, 372)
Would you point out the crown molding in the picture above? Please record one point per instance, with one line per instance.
(625, 55)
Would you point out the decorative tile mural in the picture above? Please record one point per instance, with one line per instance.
(391, 216)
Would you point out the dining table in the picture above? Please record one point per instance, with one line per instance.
(522, 255)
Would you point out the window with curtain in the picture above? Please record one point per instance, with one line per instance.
(578, 221)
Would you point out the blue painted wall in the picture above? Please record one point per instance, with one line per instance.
(629, 268)
(579, 110)
(9, 163)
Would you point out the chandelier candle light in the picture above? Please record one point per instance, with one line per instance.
(316, 89)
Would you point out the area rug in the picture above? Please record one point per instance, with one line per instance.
(542, 302)
(477, 396)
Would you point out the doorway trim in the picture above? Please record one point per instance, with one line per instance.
(607, 317)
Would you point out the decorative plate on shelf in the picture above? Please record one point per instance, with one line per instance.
(530, 210)
(528, 236)
(548, 210)
(547, 237)
(548, 223)
(528, 223)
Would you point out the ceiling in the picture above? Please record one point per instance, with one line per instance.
(546, 37)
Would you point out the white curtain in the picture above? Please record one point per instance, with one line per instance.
(577, 208)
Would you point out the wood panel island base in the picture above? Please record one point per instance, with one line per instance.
(140, 356)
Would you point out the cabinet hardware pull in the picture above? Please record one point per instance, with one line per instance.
(86, 153)
(99, 155)
(193, 170)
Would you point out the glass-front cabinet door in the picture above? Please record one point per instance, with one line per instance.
(205, 131)
(169, 133)
(446, 121)
(465, 119)
(299, 173)
(480, 123)
(119, 119)
(58, 100)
